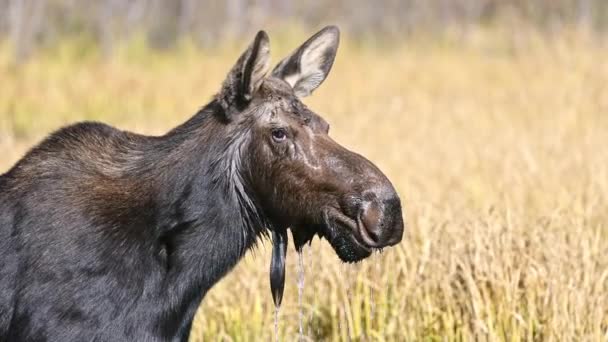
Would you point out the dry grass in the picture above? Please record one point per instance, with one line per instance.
(498, 149)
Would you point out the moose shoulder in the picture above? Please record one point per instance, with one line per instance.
(107, 235)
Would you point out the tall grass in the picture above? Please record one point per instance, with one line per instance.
(498, 149)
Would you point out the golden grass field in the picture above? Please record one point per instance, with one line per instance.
(498, 148)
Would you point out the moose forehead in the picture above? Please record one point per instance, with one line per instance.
(284, 104)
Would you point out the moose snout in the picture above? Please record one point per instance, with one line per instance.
(380, 220)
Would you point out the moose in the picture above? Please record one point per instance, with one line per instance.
(108, 235)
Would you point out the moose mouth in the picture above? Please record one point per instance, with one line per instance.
(348, 237)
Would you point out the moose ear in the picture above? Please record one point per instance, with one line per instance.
(307, 67)
(246, 75)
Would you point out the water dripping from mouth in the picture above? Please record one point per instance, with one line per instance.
(347, 276)
(276, 323)
(300, 295)
(312, 310)
(376, 273)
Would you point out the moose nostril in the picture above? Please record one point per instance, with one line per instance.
(381, 222)
(371, 217)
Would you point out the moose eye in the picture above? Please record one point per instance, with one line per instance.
(279, 134)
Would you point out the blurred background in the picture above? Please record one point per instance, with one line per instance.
(490, 117)
(34, 24)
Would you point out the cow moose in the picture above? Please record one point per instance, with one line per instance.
(107, 235)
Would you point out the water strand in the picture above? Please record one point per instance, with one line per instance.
(346, 306)
(312, 309)
(276, 323)
(301, 295)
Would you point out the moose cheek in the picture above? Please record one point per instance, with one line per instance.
(283, 150)
(291, 150)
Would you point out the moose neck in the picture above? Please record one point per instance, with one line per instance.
(207, 220)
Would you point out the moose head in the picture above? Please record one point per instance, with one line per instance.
(292, 171)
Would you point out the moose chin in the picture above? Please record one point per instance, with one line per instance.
(108, 235)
